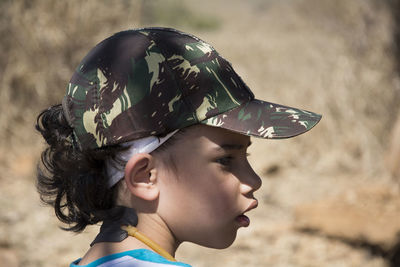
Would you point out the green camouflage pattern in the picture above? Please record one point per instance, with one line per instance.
(266, 120)
(152, 81)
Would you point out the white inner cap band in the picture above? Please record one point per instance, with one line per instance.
(143, 145)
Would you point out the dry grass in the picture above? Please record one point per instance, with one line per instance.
(332, 57)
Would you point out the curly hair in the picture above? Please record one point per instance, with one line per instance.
(74, 182)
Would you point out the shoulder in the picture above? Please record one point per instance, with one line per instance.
(132, 258)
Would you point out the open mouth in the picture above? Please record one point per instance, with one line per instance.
(242, 219)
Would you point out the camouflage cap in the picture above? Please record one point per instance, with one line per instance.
(152, 81)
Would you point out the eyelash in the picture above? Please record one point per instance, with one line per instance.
(226, 161)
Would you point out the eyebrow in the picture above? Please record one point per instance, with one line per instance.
(232, 146)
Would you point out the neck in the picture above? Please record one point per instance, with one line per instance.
(155, 228)
(150, 225)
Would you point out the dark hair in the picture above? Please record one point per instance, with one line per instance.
(74, 182)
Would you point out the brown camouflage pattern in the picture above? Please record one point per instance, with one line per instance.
(152, 81)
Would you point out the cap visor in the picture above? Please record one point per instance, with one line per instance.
(265, 120)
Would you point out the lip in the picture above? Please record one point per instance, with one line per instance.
(253, 205)
(242, 219)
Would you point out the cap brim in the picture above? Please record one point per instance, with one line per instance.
(265, 120)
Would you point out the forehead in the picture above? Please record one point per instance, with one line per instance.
(203, 136)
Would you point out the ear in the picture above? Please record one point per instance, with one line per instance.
(141, 177)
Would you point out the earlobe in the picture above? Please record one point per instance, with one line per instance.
(141, 177)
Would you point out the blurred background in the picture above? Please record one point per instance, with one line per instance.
(329, 197)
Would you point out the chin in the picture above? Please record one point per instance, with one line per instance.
(221, 243)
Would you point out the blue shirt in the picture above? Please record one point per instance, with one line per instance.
(132, 258)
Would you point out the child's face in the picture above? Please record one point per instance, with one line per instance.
(204, 194)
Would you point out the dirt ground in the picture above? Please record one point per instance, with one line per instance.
(327, 198)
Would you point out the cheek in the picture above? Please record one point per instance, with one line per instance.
(200, 204)
(222, 195)
(209, 192)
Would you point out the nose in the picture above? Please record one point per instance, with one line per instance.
(251, 182)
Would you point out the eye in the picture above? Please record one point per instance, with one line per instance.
(225, 161)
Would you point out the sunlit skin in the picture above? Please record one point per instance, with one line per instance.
(196, 190)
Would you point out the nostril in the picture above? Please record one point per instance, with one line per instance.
(250, 181)
(250, 185)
